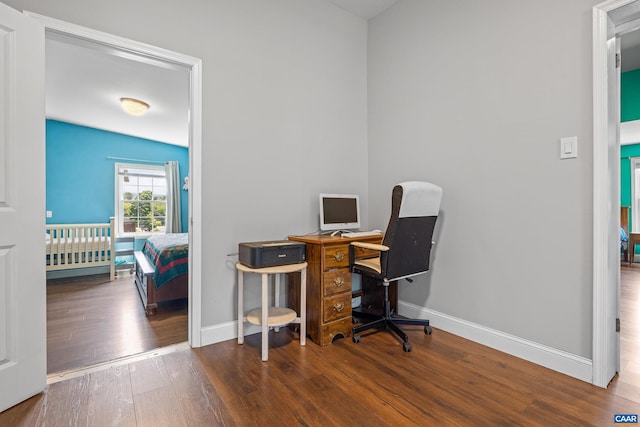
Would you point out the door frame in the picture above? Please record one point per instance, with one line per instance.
(603, 169)
(195, 145)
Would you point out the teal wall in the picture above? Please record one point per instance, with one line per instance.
(629, 110)
(80, 177)
(626, 151)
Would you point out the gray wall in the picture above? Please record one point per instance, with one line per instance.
(470, 95)
(284, 106)
(474, 96)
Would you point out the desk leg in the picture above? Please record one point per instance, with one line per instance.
(276, 302)
(240, 307)
(265, 317)
(303, 306)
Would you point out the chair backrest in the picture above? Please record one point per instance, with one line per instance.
(414, 210)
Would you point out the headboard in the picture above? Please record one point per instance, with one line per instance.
(624, 218)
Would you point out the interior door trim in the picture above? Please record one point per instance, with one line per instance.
(195, 145)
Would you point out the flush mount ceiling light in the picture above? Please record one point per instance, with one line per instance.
(135, 107)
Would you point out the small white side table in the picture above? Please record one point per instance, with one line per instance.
(272, 316)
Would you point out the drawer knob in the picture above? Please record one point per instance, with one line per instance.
(339, 256)
(338, 281)
(338, 307)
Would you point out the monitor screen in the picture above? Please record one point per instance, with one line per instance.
(339, 212)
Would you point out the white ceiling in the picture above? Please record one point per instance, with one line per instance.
(85, 81)
(630, 51)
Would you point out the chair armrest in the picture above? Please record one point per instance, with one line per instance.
(372, 246)
(364, 245)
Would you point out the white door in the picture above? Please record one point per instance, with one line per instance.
(23, 370)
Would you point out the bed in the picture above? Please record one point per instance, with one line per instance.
(71, 246)
(162, 270)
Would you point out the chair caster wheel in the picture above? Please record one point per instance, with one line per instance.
(356, 338)
(427, 330)
(406, 347)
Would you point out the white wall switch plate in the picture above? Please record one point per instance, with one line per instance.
(49, 214)
(569, 147)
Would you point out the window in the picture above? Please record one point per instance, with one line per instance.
(141, 198)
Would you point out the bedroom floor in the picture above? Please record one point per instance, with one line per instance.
(91, 320)
(444, 381)
(628, 382)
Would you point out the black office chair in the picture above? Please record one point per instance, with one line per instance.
(404, 252)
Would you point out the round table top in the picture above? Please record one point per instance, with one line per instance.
(287, 268)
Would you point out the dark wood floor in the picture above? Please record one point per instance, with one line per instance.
(445, 380)
(91, 320)
(628, 381)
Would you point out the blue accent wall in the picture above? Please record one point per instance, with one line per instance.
(627, 151)
(80, 177)
(629, 110)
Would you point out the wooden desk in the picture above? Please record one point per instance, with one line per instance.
(329, 290)
(634, 239)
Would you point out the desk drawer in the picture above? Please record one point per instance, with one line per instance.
(336, 256)
(337, 307)
(336, 281)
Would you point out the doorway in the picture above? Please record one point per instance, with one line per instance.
(627, 383)
(610, 19)
(170, 60)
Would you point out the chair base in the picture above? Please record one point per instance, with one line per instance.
(390, 323)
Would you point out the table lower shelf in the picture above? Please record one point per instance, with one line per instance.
(277, 316)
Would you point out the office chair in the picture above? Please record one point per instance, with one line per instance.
(404, 252)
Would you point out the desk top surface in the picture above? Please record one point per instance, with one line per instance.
(328, 238)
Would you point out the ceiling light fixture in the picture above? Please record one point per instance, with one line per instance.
(135, 107)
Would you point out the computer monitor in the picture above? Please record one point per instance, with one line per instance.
(339, 212)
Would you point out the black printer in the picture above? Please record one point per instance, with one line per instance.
(271, 253)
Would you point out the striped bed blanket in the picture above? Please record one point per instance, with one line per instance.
(169, 254)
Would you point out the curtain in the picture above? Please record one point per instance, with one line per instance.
(172, 174)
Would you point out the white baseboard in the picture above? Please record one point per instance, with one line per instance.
(224, 332)
(557, 360)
